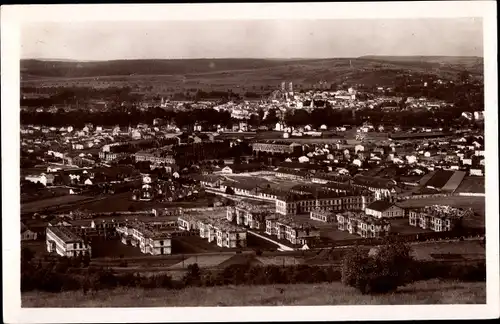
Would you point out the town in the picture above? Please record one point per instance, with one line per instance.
(302, 170)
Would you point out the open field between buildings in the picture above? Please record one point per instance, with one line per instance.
(35, 206)
(422, 292)
(124, 202)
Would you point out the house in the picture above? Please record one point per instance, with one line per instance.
(476, 172)
(27, 234)
(411, 159)
(467, 115)
(479, 115)
(359, 148)
(63, 241)
(384, 209)
(45, 179)
(357, 162)
(467, 161)
(303, 159)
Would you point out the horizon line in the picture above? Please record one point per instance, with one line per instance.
(245, 58)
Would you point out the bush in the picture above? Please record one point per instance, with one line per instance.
(193, 275)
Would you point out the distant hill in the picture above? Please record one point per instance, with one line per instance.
(367, 69)
(472, 63)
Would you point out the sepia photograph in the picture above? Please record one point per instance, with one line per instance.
(225, 157)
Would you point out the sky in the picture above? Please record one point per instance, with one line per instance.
(252, 39)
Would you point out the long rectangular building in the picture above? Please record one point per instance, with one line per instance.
(63, 241)
(298, 202)
(275, 147)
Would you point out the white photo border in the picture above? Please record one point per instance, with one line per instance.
(12, 17)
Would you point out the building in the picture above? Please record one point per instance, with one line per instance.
(286, 228)
(277, 148)
(383, 188)
(384, 209)
(250, 215)
(155, 157)
(27, 234)
(188, 223)
(111, 156)
(301, 201)
(45, 179)
(63, 241)
(322, 216)
(478, 115)
(363, 225)
(223, 233)
(151, 240)
(439, 218)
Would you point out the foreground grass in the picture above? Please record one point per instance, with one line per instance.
(423, 292)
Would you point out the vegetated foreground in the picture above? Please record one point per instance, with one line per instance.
(421, 292)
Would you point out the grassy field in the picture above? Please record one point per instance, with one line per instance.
(476, 203)
(472, 184)
(470, 250)
(424, 292)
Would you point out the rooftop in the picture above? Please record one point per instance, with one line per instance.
(254, 208)
(65, 234)
(374, 182)
(446, 211)
(380, 205)
(362, 217)
(294, 223)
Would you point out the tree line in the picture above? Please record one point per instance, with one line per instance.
(384, 271)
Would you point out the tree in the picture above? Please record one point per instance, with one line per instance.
(272, 117)
(380, 272)
(193, 275)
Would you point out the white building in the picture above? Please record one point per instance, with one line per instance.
(61, 240)
(303, 159)
(476, 172)
(384, 209)
(27, 234)
(45, 179)
(150, 240)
